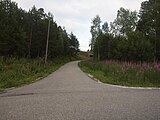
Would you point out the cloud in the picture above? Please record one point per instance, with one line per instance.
(76, 15)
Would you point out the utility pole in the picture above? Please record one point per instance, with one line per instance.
(47, 41)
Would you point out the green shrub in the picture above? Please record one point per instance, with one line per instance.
(16, 72)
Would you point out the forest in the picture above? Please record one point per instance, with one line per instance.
(126, 52)
(23, 45)
(132, 36)
(24, 33)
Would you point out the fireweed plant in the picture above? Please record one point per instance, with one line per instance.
(124, 73)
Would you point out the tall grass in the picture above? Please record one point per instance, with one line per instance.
(125, 73)
(16, 72)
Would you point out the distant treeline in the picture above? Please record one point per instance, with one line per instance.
(24, 33)
(131, 36)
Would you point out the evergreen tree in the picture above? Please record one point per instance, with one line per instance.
(149, 24)
(24, 34)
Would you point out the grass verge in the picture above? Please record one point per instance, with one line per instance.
(122, 74)
(17, 72)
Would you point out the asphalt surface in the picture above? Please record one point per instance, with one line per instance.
(68, 94)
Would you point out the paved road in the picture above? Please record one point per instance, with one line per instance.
(68, 94)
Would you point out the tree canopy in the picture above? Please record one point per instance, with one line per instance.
(131, 36)
(24, 33)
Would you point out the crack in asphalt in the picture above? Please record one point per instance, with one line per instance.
(21, 94)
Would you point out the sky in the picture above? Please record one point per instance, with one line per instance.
(76, 15)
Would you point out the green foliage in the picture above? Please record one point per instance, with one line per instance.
(134, 47)
(12, 37)
(101, 47)
(139, 47)
(123, 73)
(149, 24)
(128, 38)
(16, 72)
(74, 44)
(24, 34)
(95, 30)
(125, 22)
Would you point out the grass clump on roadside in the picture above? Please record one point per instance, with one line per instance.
(17, 72)
(124, 73)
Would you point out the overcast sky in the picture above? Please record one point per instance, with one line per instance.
(76, 15)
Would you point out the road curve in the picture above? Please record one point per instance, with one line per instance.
(68, 94)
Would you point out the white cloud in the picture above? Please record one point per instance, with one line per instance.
(76, 15)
